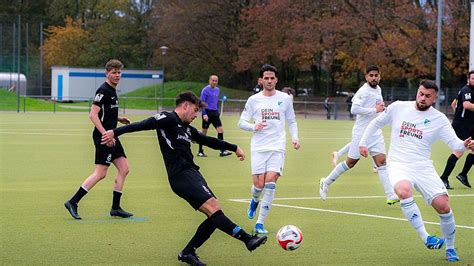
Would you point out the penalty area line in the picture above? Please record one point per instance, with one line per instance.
(348, 213)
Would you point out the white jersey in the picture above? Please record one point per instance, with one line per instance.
(273, 110)
(363, 105)
(413, 132)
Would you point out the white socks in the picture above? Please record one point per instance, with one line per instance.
(387, 187)
(413, 215)
(343, 150)
(255, 191)
(266, 204)
(336, 172)
(448, 228)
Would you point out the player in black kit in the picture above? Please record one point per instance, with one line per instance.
(175, 136)
(104, 116)
(463, 124)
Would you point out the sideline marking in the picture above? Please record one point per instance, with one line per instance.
(350, 213)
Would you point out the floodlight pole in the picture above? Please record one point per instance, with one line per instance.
(164, 50)
(438, 50)
(18, 65)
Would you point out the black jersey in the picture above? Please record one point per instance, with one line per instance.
(175, 139)
(258, 88)
(106, 98)
(461, 114)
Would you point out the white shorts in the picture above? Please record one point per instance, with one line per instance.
(422, 176)
(267, 161)
(376, 145)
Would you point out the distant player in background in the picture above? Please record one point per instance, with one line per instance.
(265, 114)
(349, 105)
(415, 126)
(366, 104)
(258, 88)
(175, 136)
(327, 107)
(210, 114)
(104, 116)
(463, 124)
(290, 91)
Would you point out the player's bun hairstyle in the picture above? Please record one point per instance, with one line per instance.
(113, 64)
(372, 68)
(429, 84)
(189, 96)
(267, 67)
(289, 90)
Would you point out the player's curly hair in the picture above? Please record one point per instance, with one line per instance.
(267, 67)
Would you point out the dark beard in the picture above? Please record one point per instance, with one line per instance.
(422, 108)
(373, 86)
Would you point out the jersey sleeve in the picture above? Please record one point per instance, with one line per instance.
(203, 99)
(466, 95)
(358, 102)
(448, 136)
(157, 121)
(245, 121)
(376, 124)
(211, 142)
(100, 97)
(291, 118)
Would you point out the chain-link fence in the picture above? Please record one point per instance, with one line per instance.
(20, 53)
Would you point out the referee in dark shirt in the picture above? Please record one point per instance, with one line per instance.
(463, 124)
(104, 116)
(175, 136)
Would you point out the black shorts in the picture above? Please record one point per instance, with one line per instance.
(213, 118)
(463, 130)
(192, 187)
(106, 155)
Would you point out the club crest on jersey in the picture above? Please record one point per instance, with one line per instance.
(467, 96)
(98, 97)
(159, 116)
(426, 122)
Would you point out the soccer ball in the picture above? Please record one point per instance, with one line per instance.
(289, 237)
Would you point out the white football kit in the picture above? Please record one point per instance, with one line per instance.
(271, 140)
(412, 134)
(363, 105)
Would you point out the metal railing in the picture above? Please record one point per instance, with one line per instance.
(144, 105)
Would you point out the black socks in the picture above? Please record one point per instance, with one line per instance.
(450, 164)
(81, 192)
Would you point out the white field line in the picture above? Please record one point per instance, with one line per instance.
(351, 213)
(357, 197)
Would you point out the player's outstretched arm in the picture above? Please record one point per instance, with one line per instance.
(240, 153)
(469, 144)
(124, 120)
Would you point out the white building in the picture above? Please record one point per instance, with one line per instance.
(80, 84)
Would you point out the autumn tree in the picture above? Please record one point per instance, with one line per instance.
(66, 45)
(200, 35)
